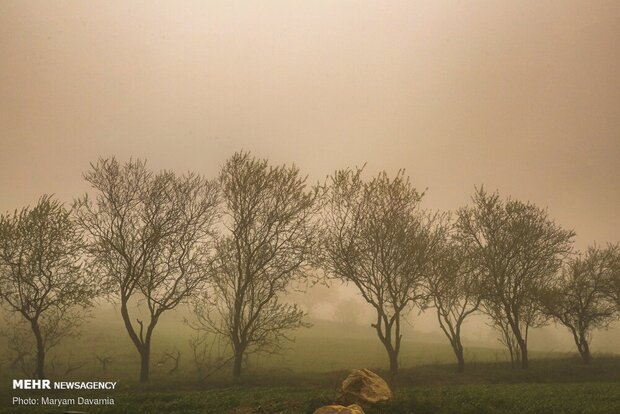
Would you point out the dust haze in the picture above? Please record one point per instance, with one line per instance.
(521, 97)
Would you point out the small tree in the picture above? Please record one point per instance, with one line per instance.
(579, 298)
(518, 249)
(268, 245)
(42, 278)
(149, 238)
(208, 354)
(376, 236)
(454, 292)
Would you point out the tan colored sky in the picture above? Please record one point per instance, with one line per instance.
(523, 96)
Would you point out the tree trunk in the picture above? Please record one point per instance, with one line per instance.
(237, 362)
(393, 355)
(145, 356)
(521, 340)
(460, 360)
(454, 336)
(584, 349)
(457, 347)
(523, 349)
(384, 332)
(40, 368)
(512, 357)
(521, 344)
(142, 344)
(585, 354)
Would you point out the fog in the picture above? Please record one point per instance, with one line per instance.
(522, 97)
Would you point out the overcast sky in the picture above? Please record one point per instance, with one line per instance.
(522, 96)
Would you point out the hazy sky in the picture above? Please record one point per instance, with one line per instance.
(523, 96)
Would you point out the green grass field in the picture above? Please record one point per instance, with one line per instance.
(325, 347)
(307, 376)
(549, 386)
(581, 398)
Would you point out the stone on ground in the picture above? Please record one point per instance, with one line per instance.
(364, 386)
(339, 409)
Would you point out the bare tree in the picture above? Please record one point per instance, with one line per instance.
(209, 356)
(454, 291)
(104, 360)
(150, 238)
(268, 219)
(42, 278)
(173, 355)
(579, 298)
(376, 236)
(518, 249)
(69, 366)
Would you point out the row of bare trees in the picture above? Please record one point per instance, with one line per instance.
(233, 247)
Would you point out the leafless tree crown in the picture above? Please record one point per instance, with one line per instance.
(376, 237)
(518, 249)
(267, 245)
(42, 276)
(149, 237)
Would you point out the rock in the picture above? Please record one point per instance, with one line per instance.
(364, 386)
(339, 409)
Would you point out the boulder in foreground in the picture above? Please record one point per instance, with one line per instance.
(364, 386)
(339, 409)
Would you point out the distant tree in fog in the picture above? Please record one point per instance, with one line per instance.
(267, 245)
(518, 249)
(42, 277)
(454, 292)
(579, 297)
(376, 237)
(149, 238)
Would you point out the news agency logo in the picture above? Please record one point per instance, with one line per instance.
(44, 384)
(31, 384)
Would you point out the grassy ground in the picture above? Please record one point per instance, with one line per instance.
(308, 374)
(326, 347)
(556, 386)
(582, 398)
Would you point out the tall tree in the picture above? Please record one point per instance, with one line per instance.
(376, 237)
(268, 245)
(579, 297)
(518, 249)
(42, 277)
(454, 292)
(150, 237)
